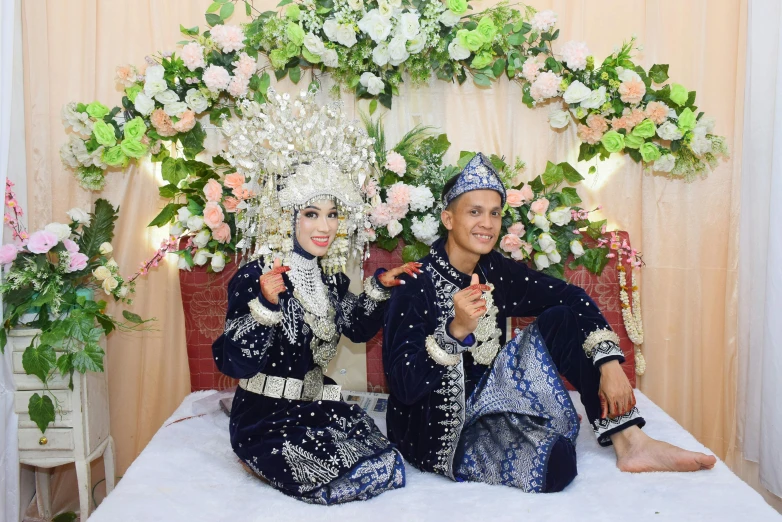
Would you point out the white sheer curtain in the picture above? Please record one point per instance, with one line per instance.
(760, 269)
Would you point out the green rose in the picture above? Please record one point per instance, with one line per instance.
(132, 91)
(97, 110)
(295, 33)
(633, 142)
(278, 59)
(613, 141)
(293, 12)
(645, 129)
(472, 40)
(686, 120)
(650, 152)
(481, 60)
(312, 58)
(487, 28)
(133, 148)
(291, 50)
(114, 157)
(135, 128)
(104, 133)
(679, 94)
(457, 6)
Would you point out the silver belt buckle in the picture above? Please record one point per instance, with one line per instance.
(292, 389)
(332, 392)
(275, 387)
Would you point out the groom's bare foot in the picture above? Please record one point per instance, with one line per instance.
(636, 452)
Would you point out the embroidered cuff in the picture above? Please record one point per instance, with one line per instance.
(374, 290)
(263, 315)
(607, 351)
(448, 343)
(439, 355)
(597, 337)
(604, 428)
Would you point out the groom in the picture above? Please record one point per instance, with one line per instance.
(467, 405)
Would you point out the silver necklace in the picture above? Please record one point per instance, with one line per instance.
(308, 285)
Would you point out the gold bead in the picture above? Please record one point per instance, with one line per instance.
(42, 441)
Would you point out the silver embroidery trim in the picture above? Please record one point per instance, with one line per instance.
(603, 426)
(446, 342)
(598, 336)
(439, 355)
(606, 349)
(375, 291)
(263, 315)
(288, 388)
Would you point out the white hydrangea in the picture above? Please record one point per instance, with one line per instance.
(79, 121)
(665, 163)
(669, 131)
(196, 100)
(425, 230)
(421, 198)
(457, 52)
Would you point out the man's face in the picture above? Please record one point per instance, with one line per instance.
(474, 221)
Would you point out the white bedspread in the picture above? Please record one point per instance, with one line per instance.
(189, 473)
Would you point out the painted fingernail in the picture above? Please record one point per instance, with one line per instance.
(401, 282)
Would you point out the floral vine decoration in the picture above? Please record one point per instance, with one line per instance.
(51, 278)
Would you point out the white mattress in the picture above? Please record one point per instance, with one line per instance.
(189, 473)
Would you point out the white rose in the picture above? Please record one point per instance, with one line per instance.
(330, 29)
(123, 292)
(106, 248)
(167, 96)
(314, 44)
(218, 261)
(144, 105)
(665, 163)
(112, 263)
(196, 100)
(541, 222)
(109, 284)
(397, 51)
(541, 261)
(101, 273)
(408, 25)
(700, 144)
(395, 3)
(558, 118)
(385, 9)
(61, 230)
(154, 87)
(560, 216)
(78, 215)
(596, 99)
(380, 54)
(547, 243)
(577, 248)
(457, 52)
(176, 229)
(394, 228)
(195, 223)
(183, 214)
(201, 257)
(669, 131)
(706, 124)
(373, 83)
(448, 18)
(346, 35)
(154, 72)
(182, 264)
(202, 238)
(175, 109)
(416, 44)
(626, 75)
(356, 5)
(554, 257)
(375, 25)
(576, 93)
(330, 58)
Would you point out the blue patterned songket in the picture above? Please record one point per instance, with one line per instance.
(478, 174)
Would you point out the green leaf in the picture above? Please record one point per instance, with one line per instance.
(387, 243)
(90, 359)
(39, 361)
(168, 191)
(213, 20)
(193, 140)
(226, 11)
(537, 185)
(372, 107)
(41, 411)
(595, 228)
(295, 74)
(464, 158)
(213, 7)
(284, 2)
(592, 169)
(569, 197)
(160, 156)
(571, 174)
(105, 322)
(659, 73)
(100, 229)
(594, 259)
(414, 252)
(65, 363)
(3, 340)
(133, 318)
(165, 215)
(248, 10)
(68, 516)
(553, 175)
(499, 67)
(193, 31)
(554, 65)
(516, 39)
(481, 80)
(557, 271)
(174, 170)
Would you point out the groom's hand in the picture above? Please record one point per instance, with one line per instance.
(468, 306)
(616, 393)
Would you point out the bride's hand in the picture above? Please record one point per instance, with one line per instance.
(390, 278)
(272, 284)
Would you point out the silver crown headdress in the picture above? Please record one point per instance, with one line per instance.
(292, 152)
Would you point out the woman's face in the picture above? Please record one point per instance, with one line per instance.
(317, 227)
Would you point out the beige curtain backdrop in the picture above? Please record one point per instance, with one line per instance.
(688, 232)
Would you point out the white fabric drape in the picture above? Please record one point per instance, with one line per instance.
(760, 273)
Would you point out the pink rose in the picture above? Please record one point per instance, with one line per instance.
(216, 78)
(510, 242)
(230, 204)
(238, 86)
(234, 180)
(186, 121)
(8, 254)
(531, 69)
(632, 91)
(516, 229)
(41, 242)
(213, 191)
(540, 206)
(193, 56)
(222, 233)
(657, 112)
(545, 86)
(514, 198)
(245, 66)
(380, 216)
(527, 194)
(78, 261)
(396, 163)
(70, 246)
(228, 37)
(213, 215)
